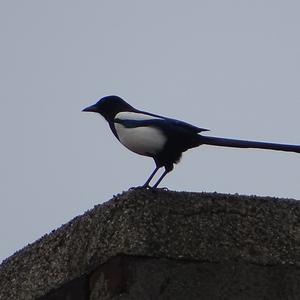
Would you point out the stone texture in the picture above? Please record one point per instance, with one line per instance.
(252, 241)
(163, 279)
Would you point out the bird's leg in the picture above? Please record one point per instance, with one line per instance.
(146, 184)
(160, 179)
(168, 169)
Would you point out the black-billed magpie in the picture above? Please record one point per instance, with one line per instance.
(163, 139)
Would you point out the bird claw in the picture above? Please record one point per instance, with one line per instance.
(165, 189)
(141, 187)
(148, 188)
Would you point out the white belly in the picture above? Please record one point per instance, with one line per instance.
(141, 140)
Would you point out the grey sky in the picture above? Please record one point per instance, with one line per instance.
(230, 66)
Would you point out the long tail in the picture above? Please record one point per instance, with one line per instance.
(217, 141)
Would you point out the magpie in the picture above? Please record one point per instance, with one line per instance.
(164, 139)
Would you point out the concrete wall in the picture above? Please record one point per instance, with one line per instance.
(165, 245)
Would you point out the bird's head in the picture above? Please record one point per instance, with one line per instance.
(109, 106)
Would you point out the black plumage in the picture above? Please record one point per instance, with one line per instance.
(163, 139)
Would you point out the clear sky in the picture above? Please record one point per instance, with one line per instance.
(230, 66)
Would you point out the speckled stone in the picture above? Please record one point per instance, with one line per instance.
(198, 227)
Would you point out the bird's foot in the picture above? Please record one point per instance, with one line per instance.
(141, 187)
(164, 189)
(148, 187)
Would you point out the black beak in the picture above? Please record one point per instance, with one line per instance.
(91, 108)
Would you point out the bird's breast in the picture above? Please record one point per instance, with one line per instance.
(144, 140)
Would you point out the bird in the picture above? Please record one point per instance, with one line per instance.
(161, 138)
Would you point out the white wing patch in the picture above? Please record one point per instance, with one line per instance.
(142, 140)
(129, 115)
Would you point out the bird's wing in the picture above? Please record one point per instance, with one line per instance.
(185, 125)
(140, 119)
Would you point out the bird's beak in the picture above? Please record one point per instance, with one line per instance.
(91, 108)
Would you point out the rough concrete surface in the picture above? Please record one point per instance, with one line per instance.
(165, 245)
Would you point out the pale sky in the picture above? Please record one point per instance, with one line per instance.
(230, 66)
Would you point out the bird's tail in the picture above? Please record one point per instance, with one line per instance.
(217, 141)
